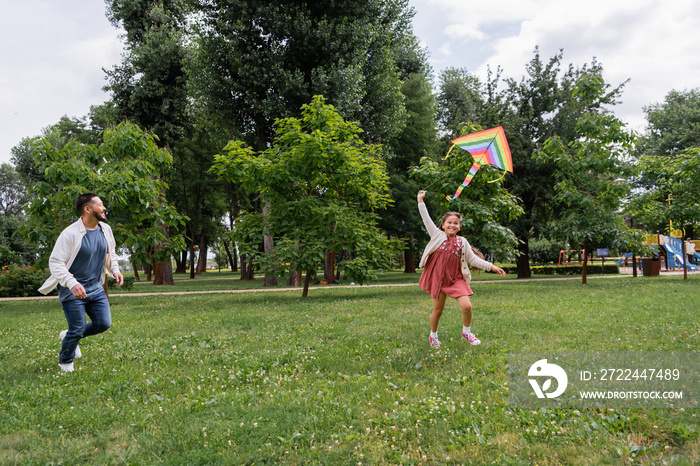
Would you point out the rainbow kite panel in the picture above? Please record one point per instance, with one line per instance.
(488, 147)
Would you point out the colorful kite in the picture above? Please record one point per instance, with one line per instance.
(488, 147)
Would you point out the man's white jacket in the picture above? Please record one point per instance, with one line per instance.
(66, 249)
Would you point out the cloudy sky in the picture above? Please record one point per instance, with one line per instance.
(53, 52)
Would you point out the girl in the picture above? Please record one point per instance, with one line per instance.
(446, 259)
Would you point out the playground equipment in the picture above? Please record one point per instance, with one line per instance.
(674, 255)
(563, 260)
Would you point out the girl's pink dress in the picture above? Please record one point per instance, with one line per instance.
(443, 271)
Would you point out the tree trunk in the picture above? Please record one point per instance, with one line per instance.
(305, 293)
(163, 273)
(634, 265)
(523, 260)
(192, 264)
(329, 266)
(133, 264)
(231, 260)
(292, 279)
(269, 247)
(409, 257)
(181, 262)
(585, 261)
(148, 269)
(244, 267)
(685, 258)
(203, 249)
(247, 270)
(163, 270)
(136, 271)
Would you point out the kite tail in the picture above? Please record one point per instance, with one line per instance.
(500, 178)
(467, 180)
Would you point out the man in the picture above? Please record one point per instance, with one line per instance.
(84, 254)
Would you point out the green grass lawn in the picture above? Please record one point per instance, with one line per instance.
(343, 377)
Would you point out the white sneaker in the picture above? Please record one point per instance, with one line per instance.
(78, 353)
(66, 367)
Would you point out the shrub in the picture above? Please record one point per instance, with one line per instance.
(8, 256)
(544, 251)
(575, 269)
(128, 283)
(21, 281)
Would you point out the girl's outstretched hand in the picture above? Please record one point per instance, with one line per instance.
(498, 270)
(421, 195)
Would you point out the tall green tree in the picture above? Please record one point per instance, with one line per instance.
(323, 184)
(536, 109)
(673, 198)
(587, 167)
(13, 200)
(150, 87)
(256, 61)
(672, 125)
(460, 99)
(417, 140)
(124, 170)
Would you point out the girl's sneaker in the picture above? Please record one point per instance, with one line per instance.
(434, 342)
(471, 338)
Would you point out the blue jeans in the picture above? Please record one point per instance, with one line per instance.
(95, 306)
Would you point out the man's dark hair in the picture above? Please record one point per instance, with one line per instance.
(82, 200)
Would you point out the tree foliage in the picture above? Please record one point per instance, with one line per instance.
(672, 126)
(674, 197)
(323, 184)
(257, 61)
(124, 171)
(587, 168)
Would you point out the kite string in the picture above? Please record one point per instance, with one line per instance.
(448, 153)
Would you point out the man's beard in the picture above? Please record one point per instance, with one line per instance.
(100, 216)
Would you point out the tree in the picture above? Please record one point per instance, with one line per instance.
(124, 171)
(13, 194)
(323, 184)
(673, 199)
(258, 60)
(13, 199)
(536, 106)
(149, 88)
(586, 169)
(460, 100)
(672, 126)
(418, 139)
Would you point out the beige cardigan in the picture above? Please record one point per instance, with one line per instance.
(437, 237)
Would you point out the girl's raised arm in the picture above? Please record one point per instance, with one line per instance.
(423, 210)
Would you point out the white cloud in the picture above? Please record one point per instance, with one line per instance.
(53, 55)
(653, 43)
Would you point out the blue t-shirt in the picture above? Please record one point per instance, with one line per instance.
(88, 264)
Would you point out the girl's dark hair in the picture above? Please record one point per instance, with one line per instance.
(450, 214)
(82, 200)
